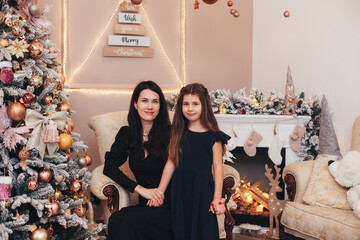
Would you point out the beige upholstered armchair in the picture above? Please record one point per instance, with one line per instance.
(113, 196)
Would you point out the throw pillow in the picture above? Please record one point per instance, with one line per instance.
(323, 190)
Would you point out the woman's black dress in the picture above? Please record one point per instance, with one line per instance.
(137, 222)
(192, 188)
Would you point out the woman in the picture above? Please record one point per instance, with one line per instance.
(145, 142)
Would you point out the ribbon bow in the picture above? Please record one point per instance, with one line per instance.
(38, 122)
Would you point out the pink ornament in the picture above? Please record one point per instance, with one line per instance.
(6, 73)
(5, 187)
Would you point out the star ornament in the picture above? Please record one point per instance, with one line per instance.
(18, 48)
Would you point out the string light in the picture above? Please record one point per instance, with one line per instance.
(183, 40)
(112, 90)
(65, 36)
(96, 42)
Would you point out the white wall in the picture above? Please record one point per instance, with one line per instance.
(321, 43)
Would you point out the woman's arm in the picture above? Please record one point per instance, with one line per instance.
(116, 157)
(217, 203)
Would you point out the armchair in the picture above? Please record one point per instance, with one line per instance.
(113, 197)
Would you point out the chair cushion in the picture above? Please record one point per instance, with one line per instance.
(321, 223)
(323, 190)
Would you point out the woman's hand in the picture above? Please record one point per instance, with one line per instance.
(151, 194)
(217, 206)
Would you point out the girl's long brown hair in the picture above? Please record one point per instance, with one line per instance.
(180, 122)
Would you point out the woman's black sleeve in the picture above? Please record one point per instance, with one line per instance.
(116, 157)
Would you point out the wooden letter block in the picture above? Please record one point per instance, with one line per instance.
(133, 18)
(129, 29)
(128, 52)
(131, 41)
(128, 7)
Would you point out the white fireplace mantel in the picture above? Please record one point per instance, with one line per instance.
(264, 125)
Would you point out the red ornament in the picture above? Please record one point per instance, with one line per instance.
(36, 49)
(24, 154)
(32, 184)
(209, 1)
(88, 159)
(230, 3)
(51, 231)
(16, 111)
(28, 98)
(286, 14)
(6, 73)
(80, 211)
(196, 5)
(76, 186)
(45, 175)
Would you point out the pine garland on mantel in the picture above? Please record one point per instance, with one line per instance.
(260, 103)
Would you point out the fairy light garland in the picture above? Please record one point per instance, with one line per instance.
(65, 37)
(182, 81)
(105, 91)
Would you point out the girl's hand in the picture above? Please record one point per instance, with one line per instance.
(154, 203)
(217, 206)
(151, 194)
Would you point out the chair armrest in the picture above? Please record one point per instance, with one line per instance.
(105, 188)
(296, 177)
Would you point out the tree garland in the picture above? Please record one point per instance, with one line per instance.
(260, 103)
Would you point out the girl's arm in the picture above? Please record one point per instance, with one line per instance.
(164, 182)
(217, 203)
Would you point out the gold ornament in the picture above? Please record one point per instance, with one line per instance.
(286, 14)
(89, 159)
(76, 186)
(2, 17)
(40, 234)
(64, 106)
(69, 127)
(36, 81)
(55, 209)
(45, 175)
(67, 212)
(3, 43)
(18, 48)
(82, 162)
(66, 141)
(222, 109)
(62, 77)
(57, 83)
(32, 184)
(16, 111)
(24, 154)
(16, 30)
(57, 195)
(34, 9)
(36, 49)
(48, 100)
(80, 211)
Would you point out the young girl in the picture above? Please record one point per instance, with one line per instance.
(196, 147)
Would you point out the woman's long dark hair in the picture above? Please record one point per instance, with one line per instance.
(180, 122)
(160, 130)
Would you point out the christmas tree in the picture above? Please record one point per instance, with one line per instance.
(43, 164)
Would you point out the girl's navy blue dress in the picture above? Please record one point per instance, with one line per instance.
(138, 222)
(192, 188)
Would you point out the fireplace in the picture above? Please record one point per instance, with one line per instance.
(252, 169)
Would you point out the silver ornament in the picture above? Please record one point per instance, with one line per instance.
(34, 9)
(59, 178)
(83, 162)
